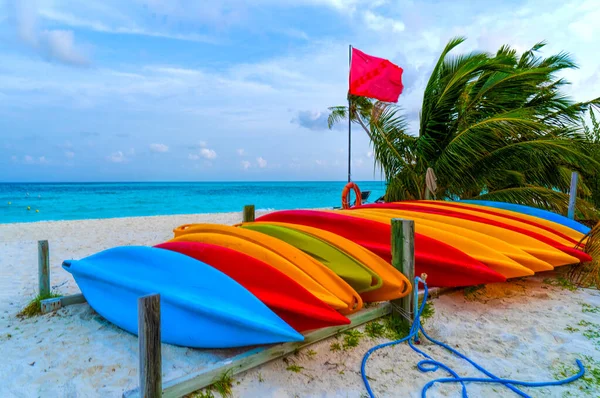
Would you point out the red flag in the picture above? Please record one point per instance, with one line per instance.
(375, 77)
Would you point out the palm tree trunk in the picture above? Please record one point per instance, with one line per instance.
(360, 121)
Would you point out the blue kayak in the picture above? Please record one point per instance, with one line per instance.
(533, 211)
(200, 306)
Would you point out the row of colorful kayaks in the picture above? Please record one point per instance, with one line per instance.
(297, 270)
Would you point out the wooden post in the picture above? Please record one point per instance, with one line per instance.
(403, 259)
(249, 215)
(572, 195)
(43, 268)
(256, 356)
(427, 194)
(150, 370)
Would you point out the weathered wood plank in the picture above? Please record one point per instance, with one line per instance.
(73, 299)
(43, 268)
(150, 368)
(57, 303)
(255, 357)
(403, 259)
(249, 214)
(258, 356)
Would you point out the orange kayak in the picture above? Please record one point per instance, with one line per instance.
(495, 260)
(531, 245)
(288, 259)
(514, 221)
(561, 230)
(517, 254)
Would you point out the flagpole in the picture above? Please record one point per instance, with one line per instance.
(349, 115)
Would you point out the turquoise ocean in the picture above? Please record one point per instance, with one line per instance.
(73, 201)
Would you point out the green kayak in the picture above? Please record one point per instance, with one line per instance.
(361, 278)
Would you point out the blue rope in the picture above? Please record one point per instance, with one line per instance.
(431, 365)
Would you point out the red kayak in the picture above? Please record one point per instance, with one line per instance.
(443, 264)
(581, 256)
(290, 301)
(485, 210)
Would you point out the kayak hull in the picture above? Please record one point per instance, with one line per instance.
(322, 275)
(286, 298)
(509, 250)
(570, 235)
(488, 256)
(361, 278)
(443, 264)
(395, 284)
(570, 255)
(490, 215)
(200, 306)
(532, 211)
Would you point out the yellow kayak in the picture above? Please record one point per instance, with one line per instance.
(505, 220)
(538, 249)
(510, 251)
(571, 233)
(395, 284)
(488, 256)
(272, 251)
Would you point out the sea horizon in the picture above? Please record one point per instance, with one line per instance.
(180, 181)
(54, 201)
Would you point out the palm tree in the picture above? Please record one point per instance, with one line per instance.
(592, 138)
(361, 110)
(493, 127)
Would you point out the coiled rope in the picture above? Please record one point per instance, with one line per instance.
(431, 365)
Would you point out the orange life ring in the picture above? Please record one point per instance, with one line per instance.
(346, 195)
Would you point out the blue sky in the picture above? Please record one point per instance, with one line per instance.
(110, 90)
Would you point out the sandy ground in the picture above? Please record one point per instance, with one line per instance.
(524, 329)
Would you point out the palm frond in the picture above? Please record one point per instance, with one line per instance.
(495, 126)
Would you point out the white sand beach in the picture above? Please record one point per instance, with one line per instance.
(526, 329)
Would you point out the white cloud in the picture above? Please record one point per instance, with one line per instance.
(208, 153)
(55, 44)
(320, 162)
(131, 151)
(98, 26)
(240, 152)
(262, 163)
(69, 154)
(245, 164)
(60, 45)
(28, 159)
(159, 148)
(13, 158)
(199, 145)
(370, 154)
(117, 157)
(314, 120)
(380, 23)
(26, 21)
